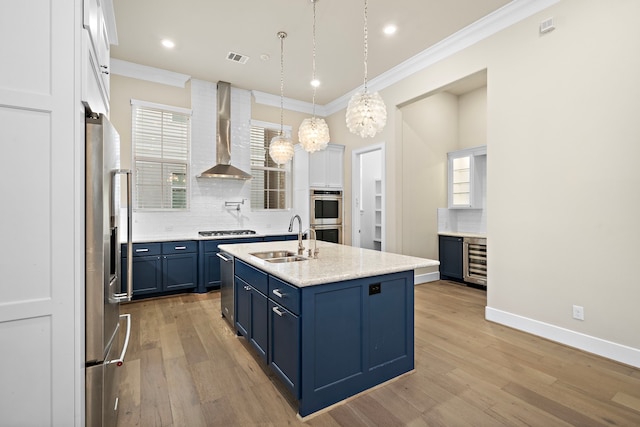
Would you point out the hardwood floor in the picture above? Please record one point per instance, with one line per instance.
(185, 367)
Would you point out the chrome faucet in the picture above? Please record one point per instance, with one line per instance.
(313, 254)
(300, 247)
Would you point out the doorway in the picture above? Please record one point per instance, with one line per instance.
(368, 197)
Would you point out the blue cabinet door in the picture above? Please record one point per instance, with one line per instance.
(284, 346)
(211, 270)
(450, 254)
(147, 275)
(180, 271)
(259, 330)
(243, 306)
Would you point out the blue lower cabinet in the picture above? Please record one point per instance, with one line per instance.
(284, 346)
(180, 271)
(251, 313)
(162, 268)
(331, 341)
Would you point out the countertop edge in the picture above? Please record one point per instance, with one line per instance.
(326, 271)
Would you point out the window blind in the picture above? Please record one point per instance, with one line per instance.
(161, 139)
(270, 182)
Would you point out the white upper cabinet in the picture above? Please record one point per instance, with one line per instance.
(96, 51)
(326, 167)
(467, 177)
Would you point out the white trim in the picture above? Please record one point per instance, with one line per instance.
(493, 23)
(151, 74)
(618, 352)
(426, 277)
(147, 104)
(288, 103)
(269, 125)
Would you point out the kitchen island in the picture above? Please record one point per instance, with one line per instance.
(329, 327)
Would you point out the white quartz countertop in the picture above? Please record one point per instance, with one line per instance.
(462, 234)
(335, 263)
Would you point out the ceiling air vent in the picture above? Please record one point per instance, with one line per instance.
(236, 57)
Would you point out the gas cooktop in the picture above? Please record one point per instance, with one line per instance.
(226, 233)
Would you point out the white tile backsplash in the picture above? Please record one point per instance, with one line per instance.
(462, 221)
(208, 195)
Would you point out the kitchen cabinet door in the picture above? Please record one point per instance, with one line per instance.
(284, 346)
(147, 275)
(259, 329)
(326, 167)
(180, 271)
(450, 249)
(243, 307)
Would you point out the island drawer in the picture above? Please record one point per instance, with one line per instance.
(284, 294)
(188, 246)
(252, 276)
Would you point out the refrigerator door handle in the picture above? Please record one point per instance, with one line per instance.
(126, 296)
(125, 346)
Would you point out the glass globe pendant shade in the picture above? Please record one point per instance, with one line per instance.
(313, 134)
(366, 114)
(281, 149)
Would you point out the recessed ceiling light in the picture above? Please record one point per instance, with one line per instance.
(168, 43)
(315, 82)
(390, 29)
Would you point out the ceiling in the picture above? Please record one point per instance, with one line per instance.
(205, 31)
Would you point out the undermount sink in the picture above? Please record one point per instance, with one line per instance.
(279, 256)
(294, 258)
(273, 254)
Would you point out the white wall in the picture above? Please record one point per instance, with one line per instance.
(562, 137)
(207, 198)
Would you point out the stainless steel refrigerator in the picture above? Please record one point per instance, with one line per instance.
(104, 346)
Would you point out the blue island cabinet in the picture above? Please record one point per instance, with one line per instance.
(331, 341)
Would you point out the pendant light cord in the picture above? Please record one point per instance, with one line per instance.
(282, 36)
(313, 74)
(366, 45)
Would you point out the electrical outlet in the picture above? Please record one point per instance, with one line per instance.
(578, 312)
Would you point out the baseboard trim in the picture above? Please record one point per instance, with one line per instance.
(610, 350)
(426, 277)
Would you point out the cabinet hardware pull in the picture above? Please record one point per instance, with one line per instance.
(278, 311)
(278, 293)
(247, 288)
(180, 248)
(142, 250)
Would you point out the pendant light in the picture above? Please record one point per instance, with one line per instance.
(313, 133)
(366, 112)
(281, 147)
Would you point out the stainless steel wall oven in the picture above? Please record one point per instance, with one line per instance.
(326, 215)
(326, 207)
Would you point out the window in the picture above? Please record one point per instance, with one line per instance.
(270, 183)
(160, 139)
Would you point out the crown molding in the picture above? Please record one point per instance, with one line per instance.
(143, 72)
(493, 23)
(288, 103)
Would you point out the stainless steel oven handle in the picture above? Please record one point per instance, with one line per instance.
(125, 346)
(126, 296)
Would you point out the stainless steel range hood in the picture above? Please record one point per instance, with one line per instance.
(223, 168)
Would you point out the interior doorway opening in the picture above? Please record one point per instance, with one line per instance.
(368, 198)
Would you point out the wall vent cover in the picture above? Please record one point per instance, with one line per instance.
(237, 57)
